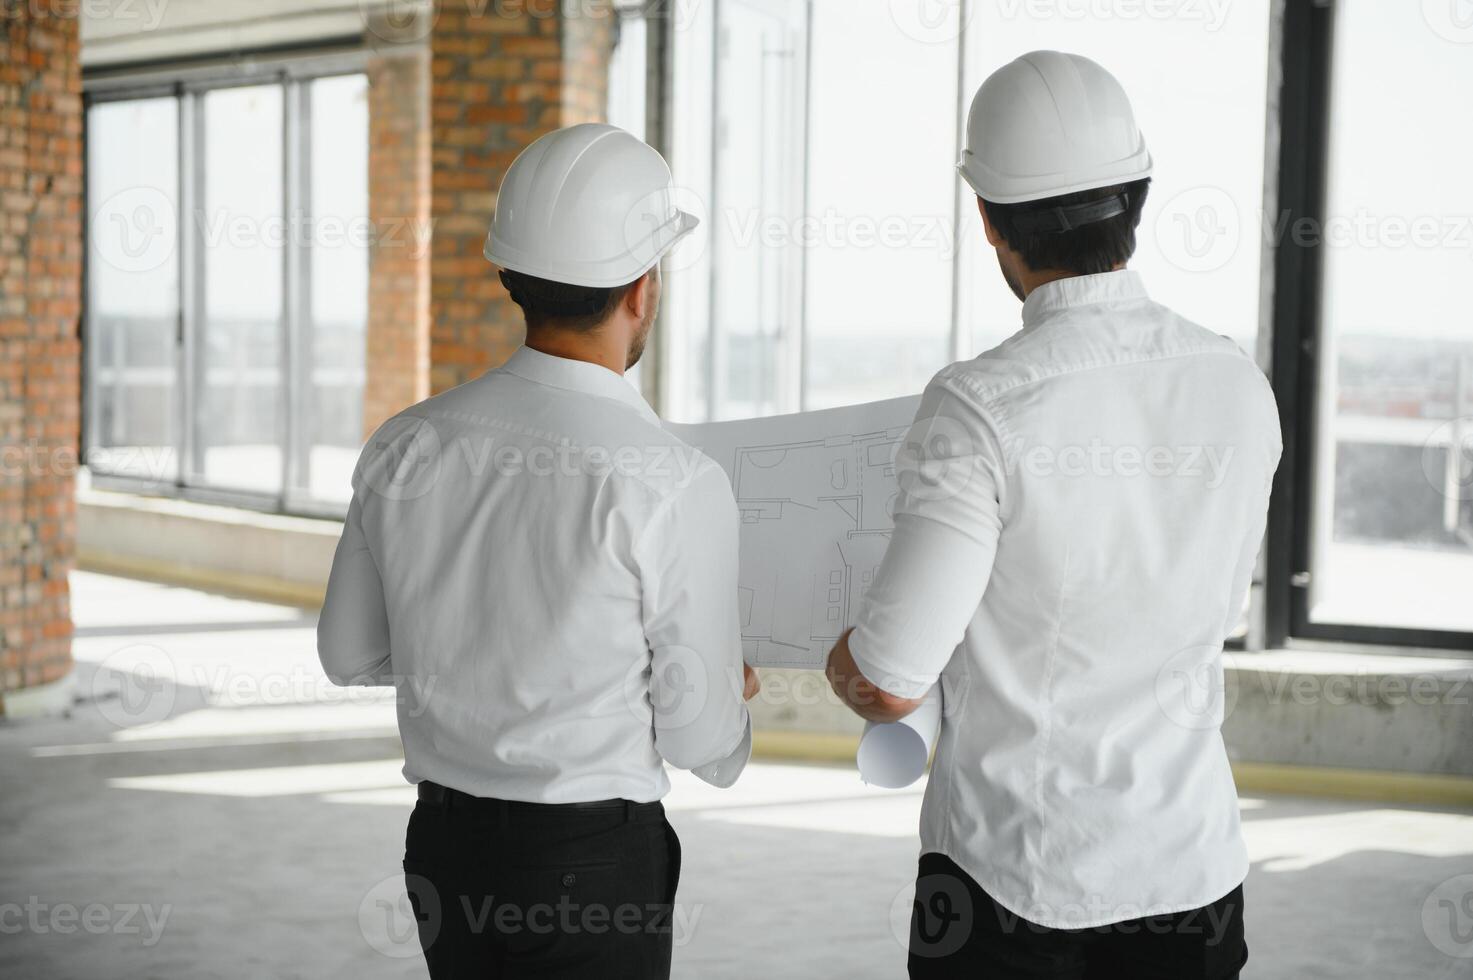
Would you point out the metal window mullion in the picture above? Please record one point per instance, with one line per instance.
(801, 346)
(1305, 46)
(89, 435)
(715, 367)
(959, 343)
(658, 70)
(294, 355)
(766, 385)
(191, 284)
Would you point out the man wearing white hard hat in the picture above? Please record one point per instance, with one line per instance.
(549, 578)
(1079, 516)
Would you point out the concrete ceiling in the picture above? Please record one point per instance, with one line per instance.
(117, 32)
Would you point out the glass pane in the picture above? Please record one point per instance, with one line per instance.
(332, 406)
(133, 288)
(1197, 77)
(1393, 529)
(684, 329)
(880, 210)
(755, 310)
(627, 76)
(237, 423)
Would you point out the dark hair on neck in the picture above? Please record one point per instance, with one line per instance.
(546, 303)
(1088, 249)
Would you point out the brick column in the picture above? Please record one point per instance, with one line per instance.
(397, 356)
(40, 306)
(504, 73)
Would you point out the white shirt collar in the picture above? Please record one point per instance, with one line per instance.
(1061, 294)
(571, 375)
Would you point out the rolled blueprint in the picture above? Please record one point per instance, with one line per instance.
(894, 755)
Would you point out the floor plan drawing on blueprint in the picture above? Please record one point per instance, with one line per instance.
(815, 492)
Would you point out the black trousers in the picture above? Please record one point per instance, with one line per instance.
(503, 889)
(957, 930)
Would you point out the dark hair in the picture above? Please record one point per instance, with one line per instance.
(1098, 246)
(548, 303)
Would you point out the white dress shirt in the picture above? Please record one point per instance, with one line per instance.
(549, 579)
(1079, 516)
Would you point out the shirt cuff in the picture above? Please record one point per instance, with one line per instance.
(724, 772)
(908, 686)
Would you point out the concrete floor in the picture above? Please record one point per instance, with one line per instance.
(215, 809)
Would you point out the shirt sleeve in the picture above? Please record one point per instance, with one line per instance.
(687, 560)
(353, 629)
(947, 524)
(1253, 542)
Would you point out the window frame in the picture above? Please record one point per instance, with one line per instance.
(794, 388)
(1306, 52)
(294, 71)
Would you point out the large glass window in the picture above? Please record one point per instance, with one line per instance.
(333, 342)
(841, 259)
(238, 360)
(133, 288)
(227, 288)
(1392, 529)
(881, 199)
(733, 333)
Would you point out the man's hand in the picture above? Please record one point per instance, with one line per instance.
(863, 698)
(751, 683)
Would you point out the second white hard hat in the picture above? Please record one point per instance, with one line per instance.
(589, 205)
(1049, 124)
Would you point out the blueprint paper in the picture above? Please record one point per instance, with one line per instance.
(894, 755)
(815, 491)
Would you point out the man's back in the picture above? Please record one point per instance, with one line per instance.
(524, 526)
(1121, 460)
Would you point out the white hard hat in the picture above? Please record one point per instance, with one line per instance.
(1049, 124)
(589, 205)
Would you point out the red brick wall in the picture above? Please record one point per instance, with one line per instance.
(40, 306)
(503, 74)
(397, 359)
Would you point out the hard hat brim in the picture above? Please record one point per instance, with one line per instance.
(1002, 188)
(607, 273)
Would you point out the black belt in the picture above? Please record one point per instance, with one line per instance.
(437, 795)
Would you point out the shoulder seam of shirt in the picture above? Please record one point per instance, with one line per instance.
(983, 407)
(669, 441)
(1000, 431)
